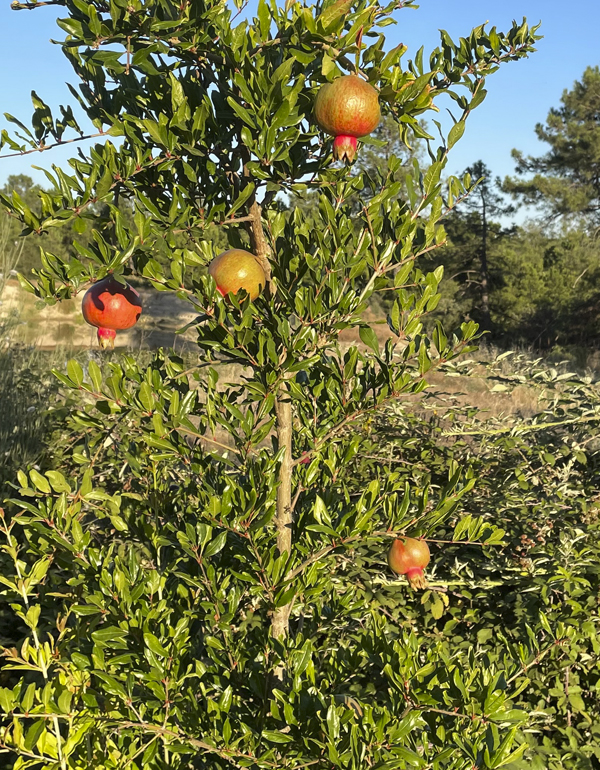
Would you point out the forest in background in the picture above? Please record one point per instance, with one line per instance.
(536, 284)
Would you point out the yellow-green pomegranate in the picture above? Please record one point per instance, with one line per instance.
(347, 108)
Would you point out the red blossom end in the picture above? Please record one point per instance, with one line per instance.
(106, 338)
(344, 148)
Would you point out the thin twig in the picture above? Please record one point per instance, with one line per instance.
(235, 220)
(45, 147)
(538, 658)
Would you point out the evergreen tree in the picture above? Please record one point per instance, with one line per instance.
(472, 267)
(465, 295)
(483, 203)
(566, 180)
(547, 288)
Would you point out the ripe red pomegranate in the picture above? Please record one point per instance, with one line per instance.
(347, 108)
(409, 557)
(237, 269)
(111, 307)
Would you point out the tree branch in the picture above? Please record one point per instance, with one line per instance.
(45, 147)
(257, 237)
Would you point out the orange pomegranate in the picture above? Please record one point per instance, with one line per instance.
(237, 269)
(347, 108)
(408, 556)
(111, 306)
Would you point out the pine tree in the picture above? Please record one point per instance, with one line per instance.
(566, 180)
(483, 203)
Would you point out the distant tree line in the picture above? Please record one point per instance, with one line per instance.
(537, 284)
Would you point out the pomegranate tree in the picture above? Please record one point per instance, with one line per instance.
(236, 269)
(347, 109)
(186, 595)
(408, 556)
(111, 306)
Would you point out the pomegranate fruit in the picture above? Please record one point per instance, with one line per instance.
(111, 306)
(237, 269)
(409, 557)
(347, 108)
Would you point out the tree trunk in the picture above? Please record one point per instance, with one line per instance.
(283, 411)
(283, 406)
(258, 240)
(485, 284)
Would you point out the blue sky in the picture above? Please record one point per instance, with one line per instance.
(520, 94)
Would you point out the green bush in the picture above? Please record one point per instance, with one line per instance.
(520, 614)
(183, 576)
(535, 599)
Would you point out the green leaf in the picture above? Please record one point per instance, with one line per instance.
(75, 372)
(273, 736)
(216, 545)
(39, 481)
(34, 734)
(335, 14)
(241, 199)
(109, 636)
(333, 722)
(146, 397)
(155, 646)
(456, 133)
(369, 338)
(241, 112)
(32, 616)
(58, 481)
(111, 685)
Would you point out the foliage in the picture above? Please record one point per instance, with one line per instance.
(536, 598)
(538, 479)
(29, 410)
(547, 291)
(181, 578)
(30, 415)
(544, 288)
(486, 203)
(28, 247)
(461, 258)
(542, 276)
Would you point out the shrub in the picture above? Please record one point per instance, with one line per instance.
(184, 580)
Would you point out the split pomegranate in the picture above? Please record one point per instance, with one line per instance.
(237, 269)
(347, 108)
(408, 556)
(111, 307)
